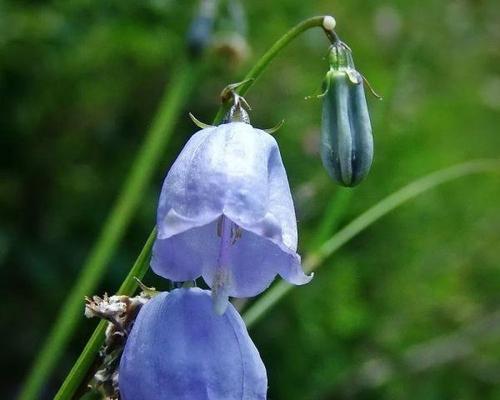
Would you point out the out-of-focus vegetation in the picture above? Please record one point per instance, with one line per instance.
(407, 310)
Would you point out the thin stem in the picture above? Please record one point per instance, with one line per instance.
(92, 271)
(391, 202)
(268, 57)
(84, 362)
(331, 217)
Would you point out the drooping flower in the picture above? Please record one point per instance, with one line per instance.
(226, 213)
(179, 348)
(346, 135)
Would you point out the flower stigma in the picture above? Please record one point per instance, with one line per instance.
(229, 234)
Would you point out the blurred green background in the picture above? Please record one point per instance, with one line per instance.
(409, 309)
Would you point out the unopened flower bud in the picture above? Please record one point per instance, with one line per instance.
(346, 134)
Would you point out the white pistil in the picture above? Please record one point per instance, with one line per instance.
(226, 231)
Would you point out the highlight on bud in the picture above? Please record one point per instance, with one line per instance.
(329, 23)
(179, 348)
(346, 135)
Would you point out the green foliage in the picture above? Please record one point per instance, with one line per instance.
(79, 84)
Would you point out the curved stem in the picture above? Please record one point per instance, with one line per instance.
(84, 362)
(92, 271)
(258, 309)
(268, 57)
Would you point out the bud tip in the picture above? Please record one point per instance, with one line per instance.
(329, 23)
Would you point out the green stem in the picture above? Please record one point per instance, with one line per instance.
(268, 57)
(84, 362)
(92, 271)
(331, 217)
(391, 202)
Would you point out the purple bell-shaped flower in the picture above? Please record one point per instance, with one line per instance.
(179, 348)
(226, 213)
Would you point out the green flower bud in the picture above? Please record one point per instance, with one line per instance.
(346, 134)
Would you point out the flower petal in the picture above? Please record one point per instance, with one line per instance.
(293, 272)
(231, 171)
(180, 349)
(183, 257)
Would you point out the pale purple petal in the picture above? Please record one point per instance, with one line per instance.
(232, 171)
(180, 349)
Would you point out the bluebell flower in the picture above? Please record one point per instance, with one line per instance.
(226, 213)
(179, 349)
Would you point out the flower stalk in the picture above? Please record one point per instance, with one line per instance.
(264, 62)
